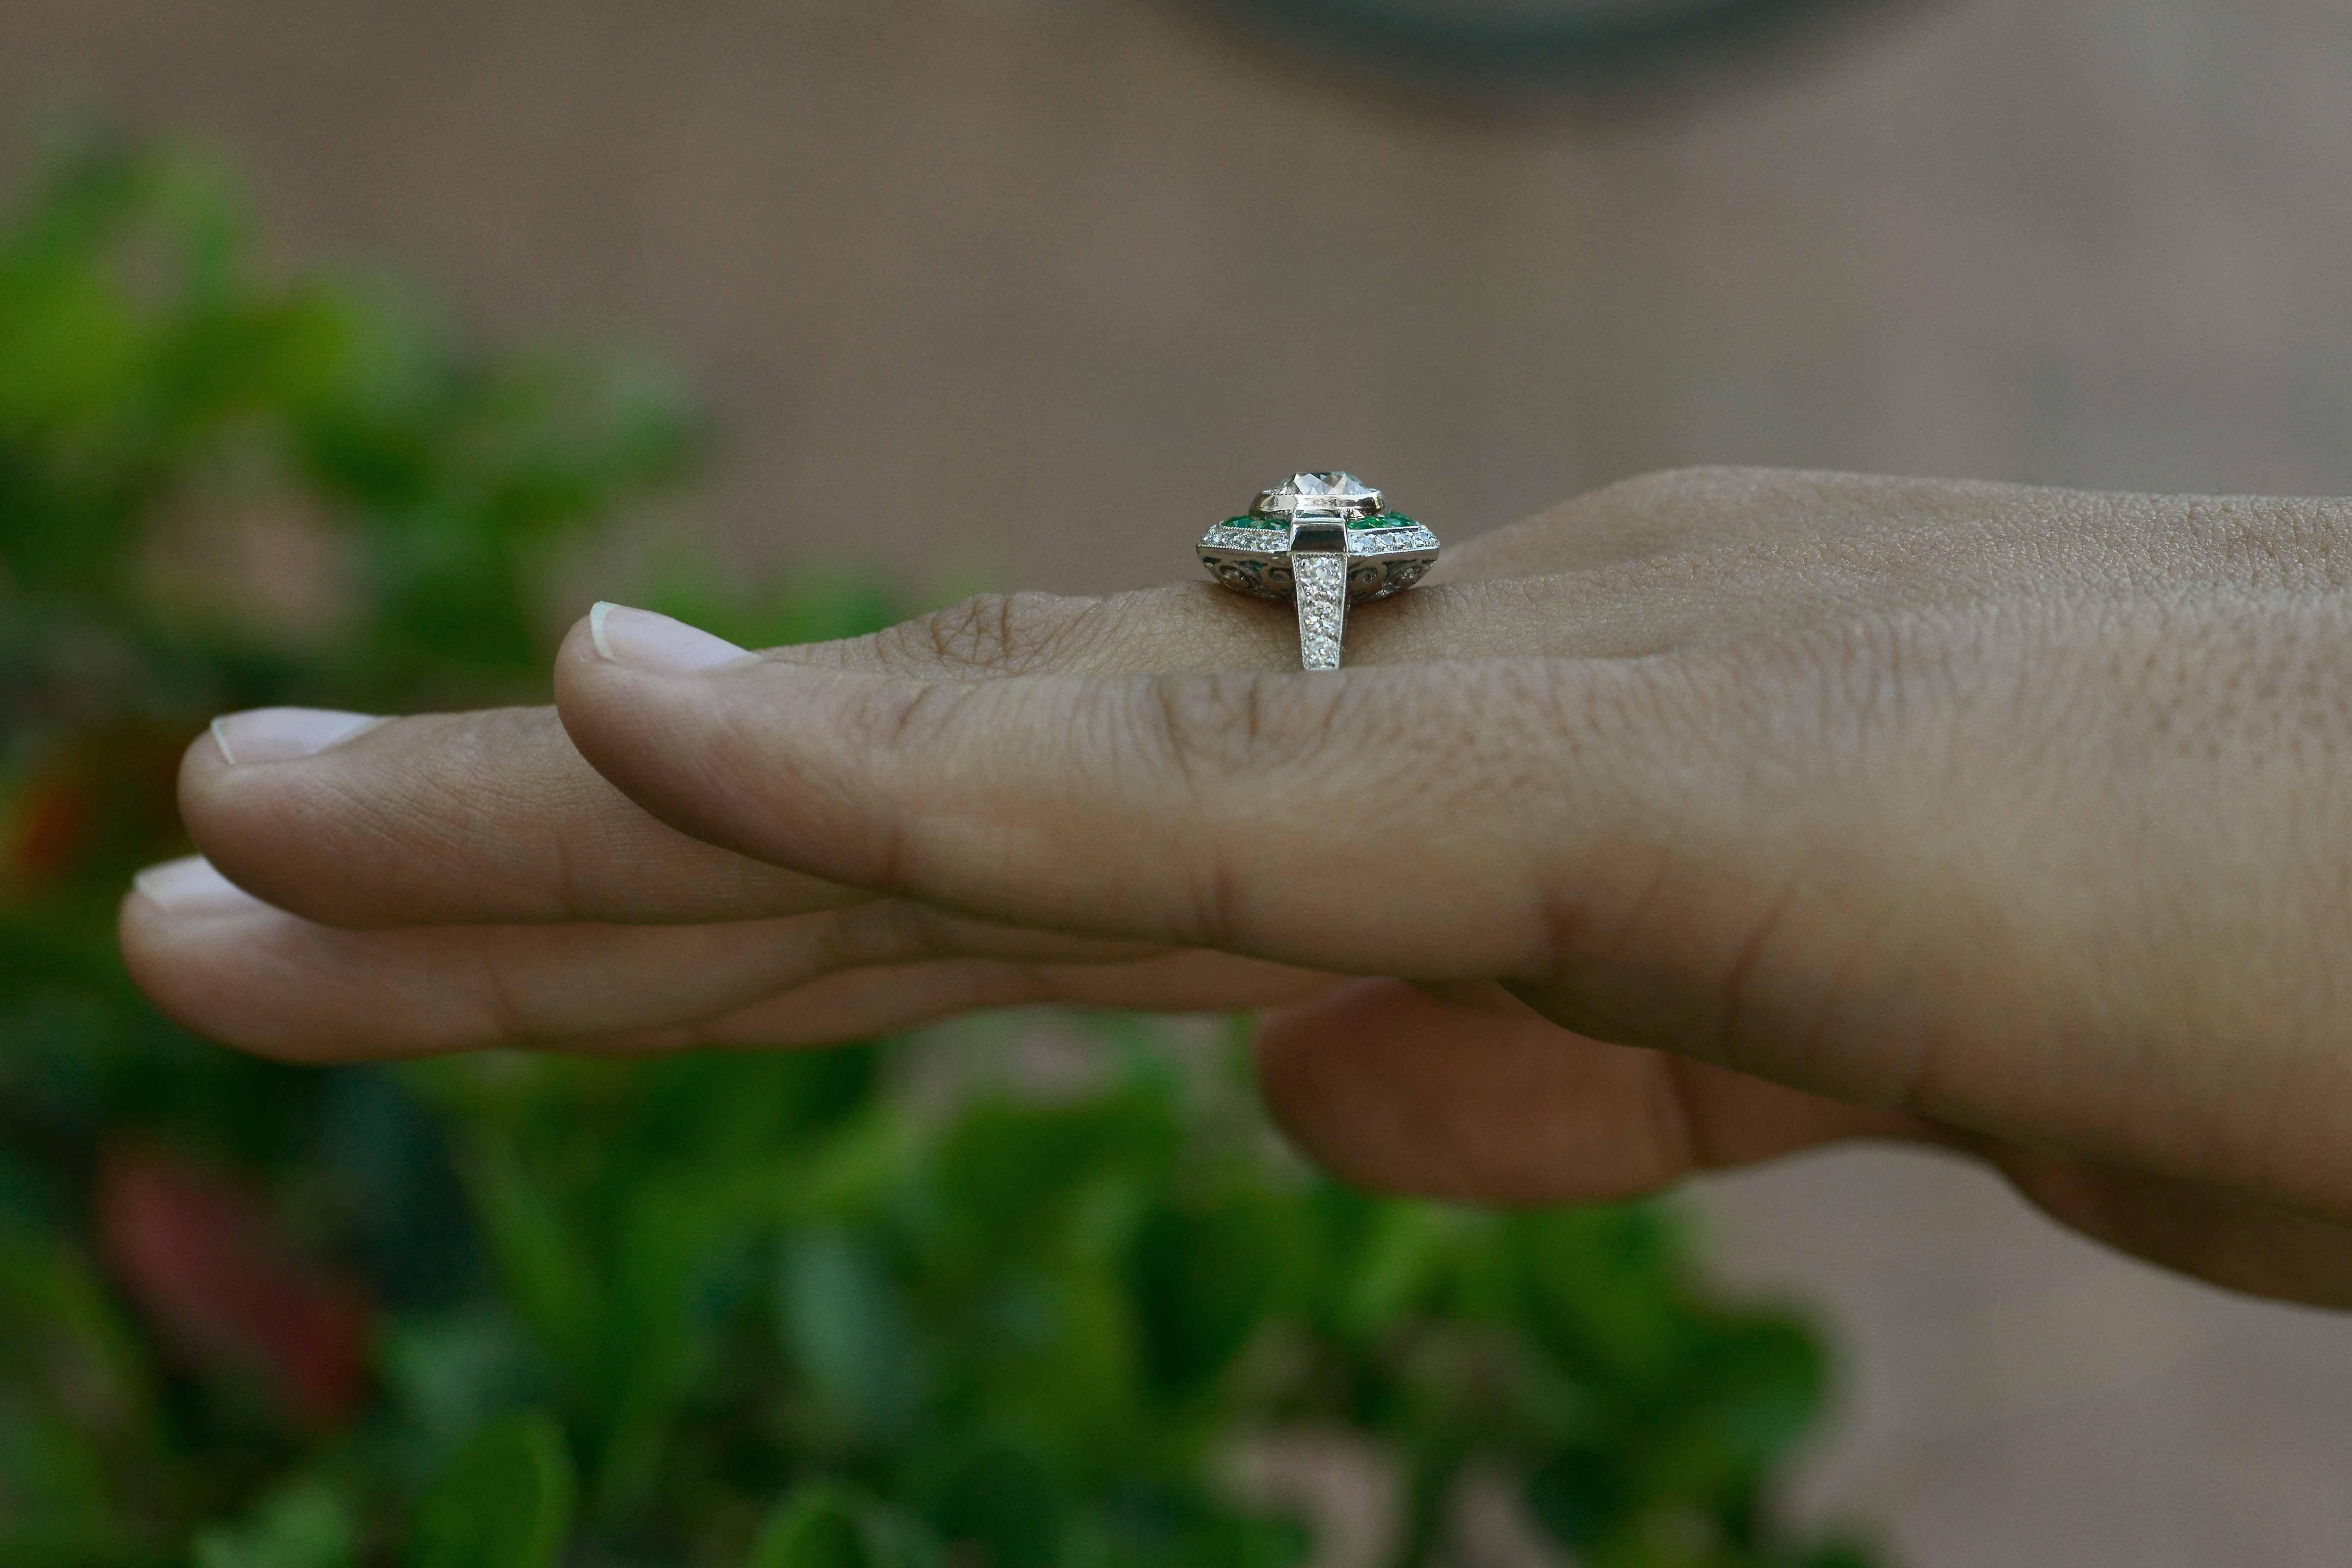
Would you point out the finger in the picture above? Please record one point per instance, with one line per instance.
(453, 820)
(491, 816)
(1659, 853)
(477, 817)
(859, 1004)
(236, 969)
(1393, 1088)
(1203, 811)
(2232, 1239)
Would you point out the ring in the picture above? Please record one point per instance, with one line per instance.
(1323, 541)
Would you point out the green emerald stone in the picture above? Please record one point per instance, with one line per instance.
(1255, 523)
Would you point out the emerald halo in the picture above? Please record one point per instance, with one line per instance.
(1323, 539)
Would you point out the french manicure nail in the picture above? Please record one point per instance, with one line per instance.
(190, 886)
(656, 644)
(284, 734)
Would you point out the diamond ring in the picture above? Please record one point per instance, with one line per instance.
(1321, 539)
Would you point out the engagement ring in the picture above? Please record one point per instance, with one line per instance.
(1321, 540)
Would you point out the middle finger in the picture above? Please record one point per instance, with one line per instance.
(238, 970)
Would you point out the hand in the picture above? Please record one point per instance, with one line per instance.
(1704, 818)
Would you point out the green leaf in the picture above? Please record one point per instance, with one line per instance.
(847, 1328)
(449, 1373)
(304, 1524)
(1578, 1495)
(551, 1278)
(1140, 1529)
(1010, 1178)
(1602, 1289)
(1002, 1505)
(1403, 1255)
(503, 1500)
(825, 1525)
(76, 1402)
(1205, 1280)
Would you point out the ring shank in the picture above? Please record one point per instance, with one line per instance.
(1321, 590)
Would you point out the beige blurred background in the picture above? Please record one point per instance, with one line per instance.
(944, 267)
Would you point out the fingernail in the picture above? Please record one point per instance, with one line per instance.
(190, 886)
(656, 644)
(284, 734)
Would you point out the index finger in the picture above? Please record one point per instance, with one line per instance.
(1246, 812)
(491, 816)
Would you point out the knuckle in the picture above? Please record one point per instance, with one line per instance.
(894, 714)
(1219, 915)
(1228, 738)
(1248, 732)
(999, 983)
(1210, 727)
(505, 1016)
(988, 633)
(899, 724)
(888, 931)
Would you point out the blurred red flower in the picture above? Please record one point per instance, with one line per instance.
(204, 1257)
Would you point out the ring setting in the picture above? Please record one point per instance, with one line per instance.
(1323, 541)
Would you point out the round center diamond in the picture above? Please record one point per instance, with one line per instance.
(1320, 495)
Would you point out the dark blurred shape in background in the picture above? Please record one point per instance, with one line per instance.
(1470, 45)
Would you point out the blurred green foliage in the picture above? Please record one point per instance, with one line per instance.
(509, 1312)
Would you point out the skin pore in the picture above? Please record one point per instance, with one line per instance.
(1704, 818)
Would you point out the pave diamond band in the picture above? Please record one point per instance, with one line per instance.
(1323, 541)
(1322, 591)
(1361, 540)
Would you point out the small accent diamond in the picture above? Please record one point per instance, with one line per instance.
(1322, 608)
(1260, 537)
(1380, 541)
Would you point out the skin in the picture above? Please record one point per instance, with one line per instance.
(1702, 819)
